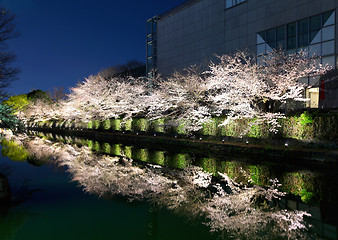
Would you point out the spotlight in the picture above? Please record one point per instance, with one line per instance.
(286, 145)
(136, 133)
(200, 139)
(247, 142)
(154, 134)
(223, 141)
(175, 136)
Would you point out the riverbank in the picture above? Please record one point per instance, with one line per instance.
(289, 152)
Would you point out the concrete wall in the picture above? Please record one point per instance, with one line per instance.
(191, 36)
(195, 33)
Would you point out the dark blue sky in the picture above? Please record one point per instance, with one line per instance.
(63, 41)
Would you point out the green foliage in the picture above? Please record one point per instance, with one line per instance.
(231, 129)
(259, 175)
(14, 151)
(96, 124)
(299, 126)
(90, 125)
(106, 148)
(302, 126)
(140, 124)
(305, 118)
(158, 157)
(128, 124)
(90, 144)
(210, 128)
(96, 146)
(248, 174)
(229, 168)
(209, 165)
(116, 150)
(38, 95)
(106, 124)
(17, 102)
(180, 129)
(128, 151)
(306, 196)
(301, 184)
(141, 155)
(8, 119)
(158, 125)
(180, 161)
(116, 124)
(256, 129)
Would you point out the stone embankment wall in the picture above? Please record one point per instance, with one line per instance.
(314, 130)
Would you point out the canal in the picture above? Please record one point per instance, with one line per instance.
(64, 187)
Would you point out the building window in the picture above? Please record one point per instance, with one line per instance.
(291, 36)
(303, 33)
(280, 37)
(315, 26)
(231, 3)
(315, 34)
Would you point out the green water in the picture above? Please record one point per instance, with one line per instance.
(57, 208)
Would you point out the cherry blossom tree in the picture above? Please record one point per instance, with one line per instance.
(236, 87)
(41, 110)
(100, 98)
(182, 99)
(245, 88)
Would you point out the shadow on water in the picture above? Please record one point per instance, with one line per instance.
(226, 194)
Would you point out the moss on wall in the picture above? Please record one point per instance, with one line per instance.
(301, 126)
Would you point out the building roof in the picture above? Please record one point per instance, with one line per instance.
(178, 8)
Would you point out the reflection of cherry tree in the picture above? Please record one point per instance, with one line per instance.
(228, 208)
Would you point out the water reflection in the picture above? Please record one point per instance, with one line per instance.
(309, 187)
(232, 208)
(9, 223)
(12, 216)
(13, 150)
(5, 192)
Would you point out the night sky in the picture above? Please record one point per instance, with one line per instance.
(64, 41)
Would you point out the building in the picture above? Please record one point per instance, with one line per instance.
(197, 30)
